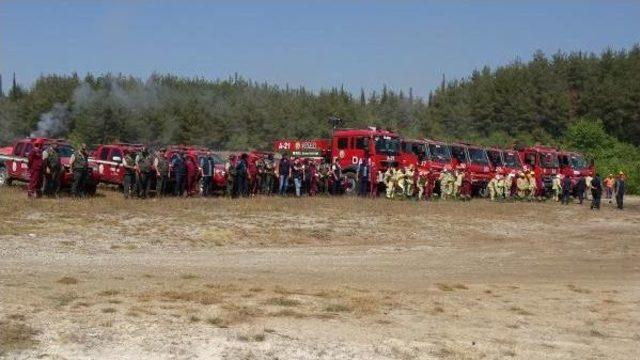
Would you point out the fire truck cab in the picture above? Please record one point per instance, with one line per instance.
(477, 162)
(16, 163)
(574, 165)
(504, 161)
(349, 146)
(543, 160)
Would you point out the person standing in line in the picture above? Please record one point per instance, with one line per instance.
(596, 192)
(609, 183)
(53, 169)
(268, 176)
(313, 180)
(242, 174)
(284, 171)
(298, 176)
(336, 173)
(144, 162)
(364, 172)
(128, 163)
(581, 187)
(620, 188)
(179, 167)
(161, 165)
(566, 190)
(36, 165)
(206, 165)
(79, 165)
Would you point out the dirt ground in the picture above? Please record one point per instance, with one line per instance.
(323, 278)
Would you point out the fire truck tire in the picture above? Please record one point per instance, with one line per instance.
(483, 191)
(4, 177)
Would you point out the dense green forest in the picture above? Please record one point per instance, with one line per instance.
(548, 99)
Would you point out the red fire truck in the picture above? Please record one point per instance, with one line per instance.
(349, 146)
(504, 160)
(541, 160)
(427, 154)
(574, 165)
(477, 162)
(15, 163)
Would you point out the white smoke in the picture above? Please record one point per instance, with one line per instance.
(53, 123)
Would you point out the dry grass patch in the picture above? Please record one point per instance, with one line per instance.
(110, 292)
(216, 321)
(16, 336)
(65, 298)
(578, 290)
(109, 310)
(447, 287)
(67, 280)
(520, 311)
(282, 301)
(336, 308)
(288, 313)
(202, 297)
(189, 276)
(597, 333)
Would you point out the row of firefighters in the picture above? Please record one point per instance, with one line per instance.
(301, 176)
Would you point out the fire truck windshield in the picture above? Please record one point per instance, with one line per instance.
(578, 162)
(439, 153)
(549, 160)
(511, 160)
(387, 145)
(478, 156)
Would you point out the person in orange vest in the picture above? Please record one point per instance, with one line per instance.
(36, 165)
(609, 182)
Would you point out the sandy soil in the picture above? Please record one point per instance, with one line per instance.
(316, 278)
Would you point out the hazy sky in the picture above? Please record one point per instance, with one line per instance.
(317, 44)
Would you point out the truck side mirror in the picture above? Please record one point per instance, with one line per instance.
(116, 159)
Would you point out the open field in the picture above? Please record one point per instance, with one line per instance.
(330, 278)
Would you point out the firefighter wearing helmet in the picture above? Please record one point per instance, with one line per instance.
(422, 183)
(409, 175)
(457, 184)
(556, 186)
(447, 180)
(492, 186)
(389, 182)
(523, 185)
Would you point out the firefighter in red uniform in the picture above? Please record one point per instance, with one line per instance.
(540, 190)
(192, 173)
(466, 189)
(313, 178)
(36, 166)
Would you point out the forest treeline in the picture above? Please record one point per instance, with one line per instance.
(536, 101)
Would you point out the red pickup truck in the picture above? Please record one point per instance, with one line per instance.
(16, 169)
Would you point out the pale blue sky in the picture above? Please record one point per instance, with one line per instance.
(316, 44)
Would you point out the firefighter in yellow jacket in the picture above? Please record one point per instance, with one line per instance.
(493, 187)
(446, 183)
(457, 184)
(556, 186)
(408, 179)
(401, 181)
(523, 185)
(389, 182)
(531, 189)
(422, 184)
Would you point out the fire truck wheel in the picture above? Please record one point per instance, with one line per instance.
(483, 192)
(4, 177)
